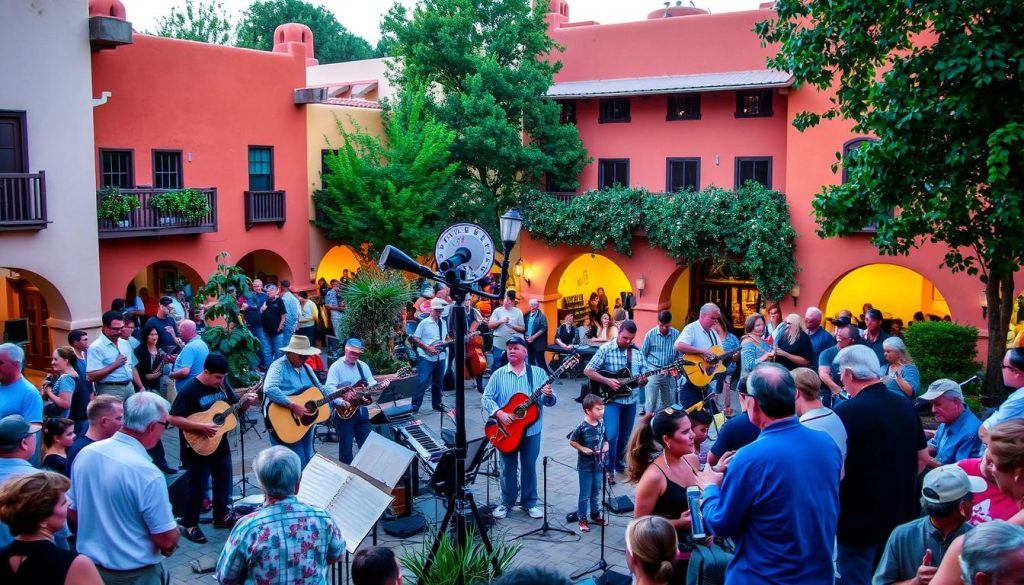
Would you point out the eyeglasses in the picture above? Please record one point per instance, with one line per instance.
(114, 328)
(166, 424)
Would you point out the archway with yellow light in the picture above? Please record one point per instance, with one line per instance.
(897, 291)
(335, 262)
(577, 277)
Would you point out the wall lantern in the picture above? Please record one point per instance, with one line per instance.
(521, 271)
(984, 305)
(641, 284)
(795, 291)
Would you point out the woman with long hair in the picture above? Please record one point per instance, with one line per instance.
(34, 507)
(754, 349)
(899, 373)
(61, 389)
(150, 358)
(651, 547)
(58, 434)
(661, 462)
(773, 320)
(594, 305)
(793, 348)
(606, 331)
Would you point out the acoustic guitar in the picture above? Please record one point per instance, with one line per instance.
(365, 395)
(700, 371)
(523, 410)
(288, 427)
(220, 413)
(628, 382)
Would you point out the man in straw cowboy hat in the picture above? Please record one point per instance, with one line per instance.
(289, 375)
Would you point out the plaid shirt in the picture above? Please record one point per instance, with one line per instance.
(659, 350)
(611, 358)
(285, 542)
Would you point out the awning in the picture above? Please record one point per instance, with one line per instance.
(726, 81)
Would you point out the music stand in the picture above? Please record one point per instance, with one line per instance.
(545, 527)
(243, 417)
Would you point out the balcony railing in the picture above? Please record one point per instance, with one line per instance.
(564, 196)
(146, 221)
(22, 201)
(264, 207)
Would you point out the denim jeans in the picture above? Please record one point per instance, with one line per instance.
(357, 428)
(303, 447)
(690, 394)
(618, 424)
(857, 564)
(199, 471)
(497, 354)
(257, 332)
(272, 348)
(590, 492)
(661, 392)
(336, 319)
(430, 374)
(520, 482)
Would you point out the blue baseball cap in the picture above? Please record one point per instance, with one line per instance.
(355, 344)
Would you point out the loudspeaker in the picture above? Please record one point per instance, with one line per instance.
(620, 504)
(405, 527)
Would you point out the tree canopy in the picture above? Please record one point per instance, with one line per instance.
(939, 84)
(403, 179)
(491, 63)
(205, 21)
(332, 42)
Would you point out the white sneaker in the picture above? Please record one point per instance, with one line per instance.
(500, 512)
(535, 512)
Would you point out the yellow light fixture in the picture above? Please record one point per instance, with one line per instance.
(984, 305)
(641, 284)
(521, 271)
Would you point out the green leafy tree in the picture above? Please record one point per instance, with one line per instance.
(205, 21)
(232, 338)
(939, 85)
(332, 42)
(491, 63)
(374, 184)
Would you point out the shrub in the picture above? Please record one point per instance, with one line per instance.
(943, 350)
(373, 300)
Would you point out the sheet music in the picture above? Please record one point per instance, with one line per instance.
(383, 459)
(353, 501)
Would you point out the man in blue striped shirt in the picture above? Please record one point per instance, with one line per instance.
(659, 351)
(619, 413)
(518, 378)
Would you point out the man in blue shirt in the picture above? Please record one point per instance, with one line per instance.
(518, 377)
(780, 500)
(17, 395)
(659, 350)
(1013, 406)
(957, 435)
(190, 360)
(820, 339)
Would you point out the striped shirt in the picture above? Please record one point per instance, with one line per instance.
(612, 358)
(505, 383)
(285, 542)
(659, 350)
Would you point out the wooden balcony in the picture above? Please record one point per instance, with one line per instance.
(564, 196)
(146, 221)
(22, 201)
(264, 207)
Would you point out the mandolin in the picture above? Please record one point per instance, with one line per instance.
(365, 395)
(523, 410)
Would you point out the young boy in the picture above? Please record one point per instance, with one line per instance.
(588, 438)
(700, 421)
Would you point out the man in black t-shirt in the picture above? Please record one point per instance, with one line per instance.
(886, 452)
(274, 315)
(738, 432)
(166, 327)
(198, 396)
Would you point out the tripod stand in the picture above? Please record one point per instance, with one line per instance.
(601, 564)
(545, 527)
(242, 427)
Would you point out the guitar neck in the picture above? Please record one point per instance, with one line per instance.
(554, 376)
(654, 372)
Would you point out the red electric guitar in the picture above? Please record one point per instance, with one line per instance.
(523, 410)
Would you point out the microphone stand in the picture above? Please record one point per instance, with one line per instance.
(545, 527)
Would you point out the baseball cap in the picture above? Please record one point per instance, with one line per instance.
(949, 483)
(516, 340)
(355, 344)
(940, 387)
(166, 301)
(873, 314)
(841, 321)
(13, 429)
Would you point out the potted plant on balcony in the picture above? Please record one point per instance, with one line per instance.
(115, 206)
(186, 205)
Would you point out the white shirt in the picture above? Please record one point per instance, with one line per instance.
(695, 335)
(825, 420)
(429, 331)
(341, 374)
(102, 352)
(121, 498)
(503, 332)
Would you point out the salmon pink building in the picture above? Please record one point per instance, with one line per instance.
(682, 99)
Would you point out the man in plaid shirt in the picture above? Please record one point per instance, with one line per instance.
(619, 413)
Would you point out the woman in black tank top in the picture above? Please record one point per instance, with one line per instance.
(34, 507)
(662, 463)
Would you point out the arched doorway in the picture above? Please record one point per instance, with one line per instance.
(675, 296)
(267, 266)
(160, 278)
(579, 276)
(335, 262)
(896, 291)
(27, 304)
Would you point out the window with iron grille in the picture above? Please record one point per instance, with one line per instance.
(684, 106)
(116, 169)
(261, 168)
(568, 114)
(754, 168)
(167, 169)
(612, 171)
(754, 104)
(614, 110)
(682, 174)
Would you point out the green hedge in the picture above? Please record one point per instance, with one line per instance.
(943, 350)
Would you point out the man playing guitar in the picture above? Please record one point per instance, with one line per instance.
(698, 337)
(518, 378)
(347, 371)
(430, 360)
(289, 375)
(196, 396)
(619, 413)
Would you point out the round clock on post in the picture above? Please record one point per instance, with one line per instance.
(466, 250)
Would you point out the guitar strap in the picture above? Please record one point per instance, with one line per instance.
(629, 359)
(362, 372)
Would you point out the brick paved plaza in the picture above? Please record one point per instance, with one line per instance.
(566, 553)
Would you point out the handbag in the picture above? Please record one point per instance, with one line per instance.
(708, 563)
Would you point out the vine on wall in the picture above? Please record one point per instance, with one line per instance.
(750, 227)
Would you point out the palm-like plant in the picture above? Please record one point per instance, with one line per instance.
(373, 303)
(472, 560)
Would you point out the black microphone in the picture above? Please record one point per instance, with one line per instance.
(460, 257)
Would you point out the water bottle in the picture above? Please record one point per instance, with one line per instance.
(693, 501)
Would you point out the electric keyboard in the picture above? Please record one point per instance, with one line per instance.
(420, 438)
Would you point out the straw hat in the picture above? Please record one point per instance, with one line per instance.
(299, 345)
